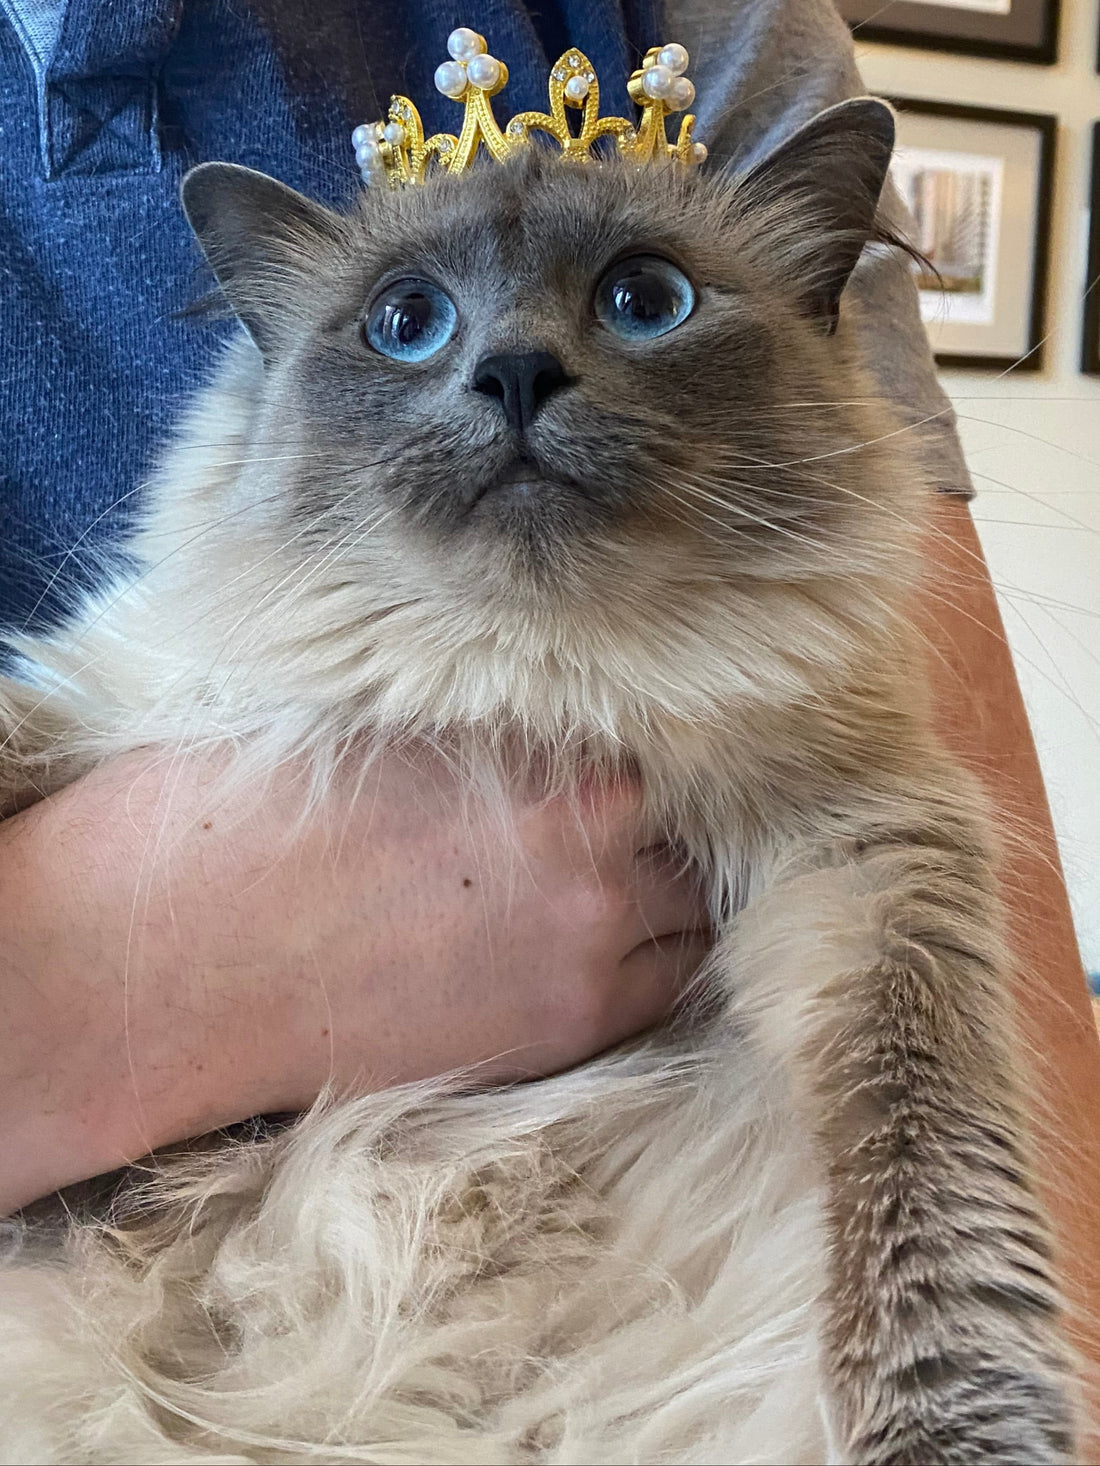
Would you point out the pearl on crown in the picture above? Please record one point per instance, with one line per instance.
(450, 79)
(681, 94)
(657, 82)
(464, 44)
(665, 81)
(393, 151)
(484, 72)
(470, 64)
(674, 57)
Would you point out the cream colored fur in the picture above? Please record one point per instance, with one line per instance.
(619, 1264)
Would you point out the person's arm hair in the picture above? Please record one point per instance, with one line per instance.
(983, 718)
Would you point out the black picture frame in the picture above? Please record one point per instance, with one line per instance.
(1045, 124)
(1090, 322)
(1029, 32)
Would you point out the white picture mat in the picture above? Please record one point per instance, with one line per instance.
(987, 7)
(1017, 151)
(980, 308)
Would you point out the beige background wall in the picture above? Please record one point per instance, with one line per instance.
(1033, 443)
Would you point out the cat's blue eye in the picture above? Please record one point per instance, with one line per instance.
(410, 320)
(644, 297)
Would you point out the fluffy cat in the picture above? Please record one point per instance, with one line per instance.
(571, 536)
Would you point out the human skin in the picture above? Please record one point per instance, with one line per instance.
(175, 960)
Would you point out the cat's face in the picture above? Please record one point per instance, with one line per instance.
(567, 392)
(546, 418)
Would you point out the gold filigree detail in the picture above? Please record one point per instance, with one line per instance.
(403, 155)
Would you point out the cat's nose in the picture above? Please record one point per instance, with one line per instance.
(521, 381)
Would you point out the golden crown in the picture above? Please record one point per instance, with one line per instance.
(396, 151)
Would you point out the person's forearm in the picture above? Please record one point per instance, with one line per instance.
(173, 962)
(983, 718)
(107, 1051)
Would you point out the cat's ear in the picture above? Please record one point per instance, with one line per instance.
(258, 235)
(814, 199)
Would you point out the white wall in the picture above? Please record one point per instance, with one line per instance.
(1033, 443)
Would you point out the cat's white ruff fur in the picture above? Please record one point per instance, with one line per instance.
(609, 1266)
(616, 1265)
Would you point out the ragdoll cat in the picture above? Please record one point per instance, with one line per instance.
(575, 465)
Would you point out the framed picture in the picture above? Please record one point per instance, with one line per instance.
(1090, 335)
(1011, 30)
(978, 184)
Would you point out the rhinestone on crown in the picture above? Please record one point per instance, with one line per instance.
(396, 152)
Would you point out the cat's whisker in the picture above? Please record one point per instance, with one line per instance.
(956, 609)
(1022, 397)
(296, 581)
(849, 448)
(954, 605)
(979, 563)
(220, 463)
(1082, 645)
(146, 572)
(694, 484)
(199, 528)
(72, 550)
(1032, 437)
(1037, 499)
(922, 526)
(665, 488)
